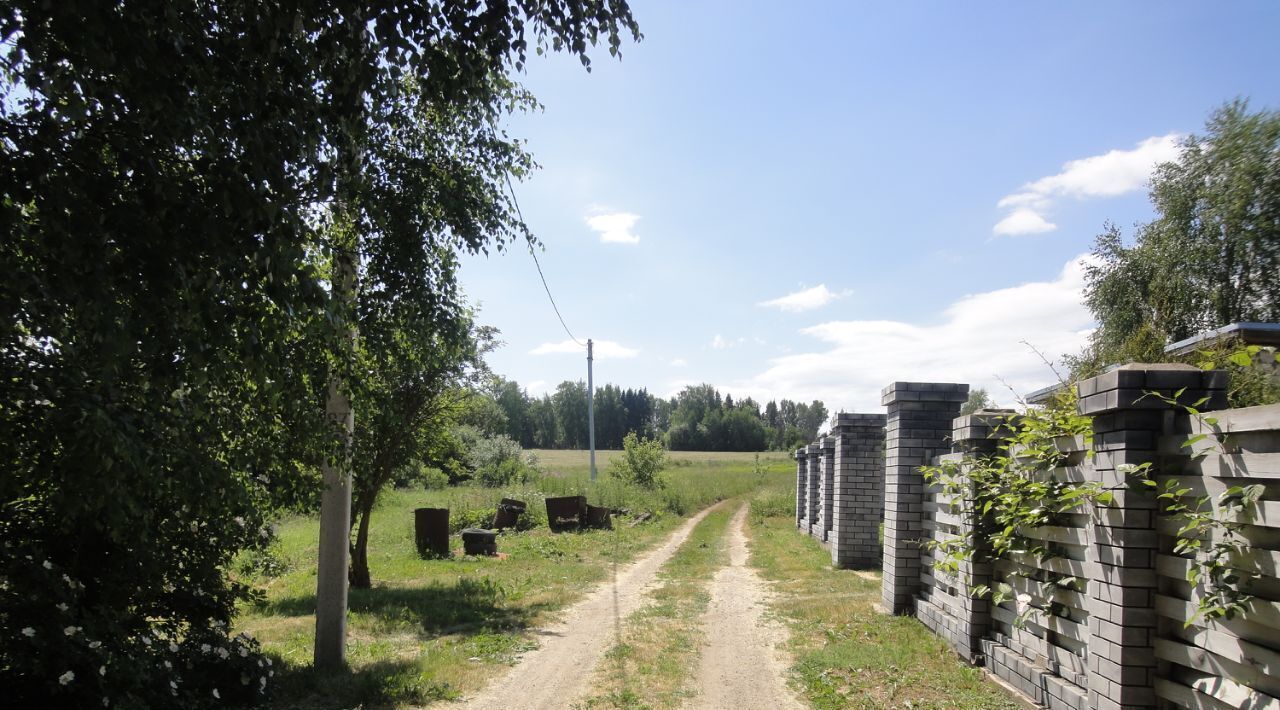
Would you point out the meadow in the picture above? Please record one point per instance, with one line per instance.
(433, 630)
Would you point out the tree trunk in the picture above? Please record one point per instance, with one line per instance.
(358, 575)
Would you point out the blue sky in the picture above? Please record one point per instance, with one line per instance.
(810, 200)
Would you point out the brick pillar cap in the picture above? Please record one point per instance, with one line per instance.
(924, 392)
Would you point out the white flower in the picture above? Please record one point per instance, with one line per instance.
(102, 670)
(28, 632)
(48, 565)
(106, 702)
(67, 677)
(173, 684)
(222, 653)
(215, 694)
(62, 606)
(70, 631)
(244, 652)
(146, 639)
(173, 647)
(205, 648)
(239, 520)
(94, 644)
(268, 661)
(168, 665)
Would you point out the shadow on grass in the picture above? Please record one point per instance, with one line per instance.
(468, 605)
(377, 685)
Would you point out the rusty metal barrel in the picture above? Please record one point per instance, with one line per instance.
(431, 531)
(508, 513)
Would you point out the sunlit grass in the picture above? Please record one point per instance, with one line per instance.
(435, 629)
(848, 654)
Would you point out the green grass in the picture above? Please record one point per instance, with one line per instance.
(432, 630)
(650, 667)
(847, 654)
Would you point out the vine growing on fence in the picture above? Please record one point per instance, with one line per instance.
(1211, 532)
(1013, 491)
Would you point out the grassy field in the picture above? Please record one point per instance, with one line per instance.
(434, 629)
(847, 654)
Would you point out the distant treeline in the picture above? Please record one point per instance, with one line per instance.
(697, 419)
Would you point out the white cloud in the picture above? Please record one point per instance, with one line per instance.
(1108, 175)
(1024, 221)
(977, 342)
(679, 362)
(615, 227)
(601, 349)
(805, 300)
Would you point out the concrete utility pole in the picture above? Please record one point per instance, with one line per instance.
(335, 505)
(591, 412)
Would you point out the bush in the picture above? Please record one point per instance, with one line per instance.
(499, 461)
(417, 474)
(641, 463)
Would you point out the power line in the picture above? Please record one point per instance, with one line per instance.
(536, 263)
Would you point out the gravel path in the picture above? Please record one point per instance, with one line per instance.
(558, 672)
(743, 665)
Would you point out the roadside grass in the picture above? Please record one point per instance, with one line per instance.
(649, 666)
(434, 630)
(846, 653)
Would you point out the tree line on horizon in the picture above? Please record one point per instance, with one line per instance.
(698, 418)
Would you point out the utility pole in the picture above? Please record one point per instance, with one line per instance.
(335, 504)
(591, 412)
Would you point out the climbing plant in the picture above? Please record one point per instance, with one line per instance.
(1013, 491)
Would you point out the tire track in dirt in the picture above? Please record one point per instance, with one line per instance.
(558, 672)
(743, 665)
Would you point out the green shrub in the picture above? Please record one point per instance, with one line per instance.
(416, 474)
(641, 463)
(499, 461)
(773, 504)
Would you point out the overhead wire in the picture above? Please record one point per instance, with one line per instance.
(533, 253)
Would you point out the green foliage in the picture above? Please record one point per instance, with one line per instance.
(416, 473)
(1211, 256)
(1013, 490)
(641, 464)
(499, 461)
(171, 185)
(1253, 372)
(978, 399)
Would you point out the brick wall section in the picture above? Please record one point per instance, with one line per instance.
(826, 486)
(813, 470)
(917, 428)
(1122, 619)
(802, 489)
(857, 500)
(977, 435)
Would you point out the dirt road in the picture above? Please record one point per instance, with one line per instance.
(557, 673)
(742, 665)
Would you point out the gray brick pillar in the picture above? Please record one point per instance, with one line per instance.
(802, 489)
(858, 491)
(826, 486)
(917, 429)
(813, 469)
(1127, 424)
(977, 435)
